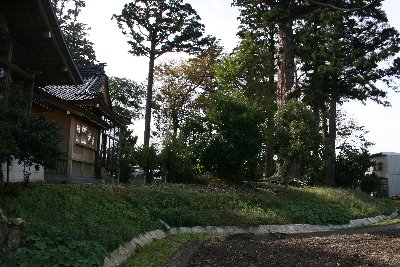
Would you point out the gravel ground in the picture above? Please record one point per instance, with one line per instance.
(379, 246)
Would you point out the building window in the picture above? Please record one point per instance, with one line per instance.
(378, 166)
(85, 135)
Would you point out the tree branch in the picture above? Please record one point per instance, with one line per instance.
(340, 8)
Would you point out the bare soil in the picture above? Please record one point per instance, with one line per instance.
(376, 246)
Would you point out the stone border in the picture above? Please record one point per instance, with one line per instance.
(127, 250)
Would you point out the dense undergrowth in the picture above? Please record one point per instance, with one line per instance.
(102, 217)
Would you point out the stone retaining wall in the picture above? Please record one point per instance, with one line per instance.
(127, 250)
(13, 233)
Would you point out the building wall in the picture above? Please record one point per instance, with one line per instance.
(394, 175)
(83, 156)
(384, 160)
(17, 174)
(80, 158)
(391, 171)
(61, 118)
(394, 164)
(394, 185)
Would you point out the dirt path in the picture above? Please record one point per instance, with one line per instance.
(372, 246)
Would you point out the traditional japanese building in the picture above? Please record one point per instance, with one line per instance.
(36, 65)
(90, 127)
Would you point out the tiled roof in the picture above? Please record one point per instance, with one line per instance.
(94, 78)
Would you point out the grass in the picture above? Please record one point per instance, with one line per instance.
(389, 221)
(110, 215)
(158, 252)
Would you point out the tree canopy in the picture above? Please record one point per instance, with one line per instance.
(327, 53)
(126, 97)
(75, 32)
(156, 27)
(30, 139)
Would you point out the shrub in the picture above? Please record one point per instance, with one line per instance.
(49, 251)
(128, 156)
(350, 167)
(298, 141)
(175, 160)
(370, 183)
(232, 153)
(31, 139)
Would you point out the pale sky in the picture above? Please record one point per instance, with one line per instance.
(220, 20)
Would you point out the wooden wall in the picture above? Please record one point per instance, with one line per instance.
(81, 159)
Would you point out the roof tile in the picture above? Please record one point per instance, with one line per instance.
(94, 78)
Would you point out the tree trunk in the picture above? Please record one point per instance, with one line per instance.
(149, 100)
(285, 61)
(330, 142)
(269, 153)
(8, 170)
(175, 122)
(285, 54)
(1, 180)
(269, 163)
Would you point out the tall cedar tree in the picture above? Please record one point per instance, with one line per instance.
(75, 33)
(156, 27)
(344, 56)
(257, 16)
(287, 13)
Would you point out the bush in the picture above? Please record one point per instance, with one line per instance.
(232, 154)
(31, 139)
(128, 156)
(60, 251)
(350, 167)
(370, 183)
(298, 141)
(176, 162)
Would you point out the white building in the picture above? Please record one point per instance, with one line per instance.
(387, 167)
(16, 172)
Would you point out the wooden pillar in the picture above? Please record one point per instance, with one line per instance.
(8, 75)
(120, 138)
(28, 86)
(72, 130)
(98, 155)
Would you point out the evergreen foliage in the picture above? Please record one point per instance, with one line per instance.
(298, 141)
(370, 183)
(176, 160)
(30, 139)
(156, 27)
(232, 153)
(341, 49)
(75, 33)
(128, 156)
(126, 97)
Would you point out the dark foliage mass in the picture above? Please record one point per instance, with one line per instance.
(75, 32)
(28, 138)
